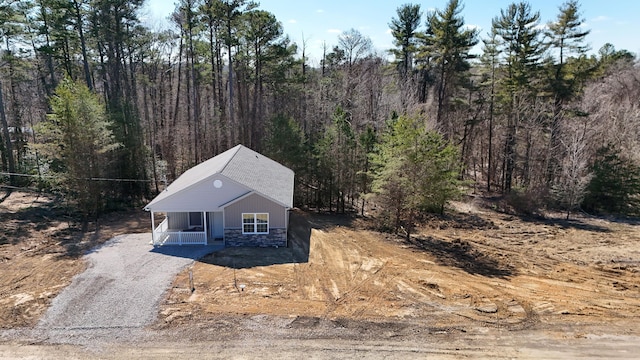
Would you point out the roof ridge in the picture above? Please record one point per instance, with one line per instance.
(239, 146)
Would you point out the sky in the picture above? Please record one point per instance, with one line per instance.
(321, 22)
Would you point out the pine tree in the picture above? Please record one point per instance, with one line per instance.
(113, 27)
(517, 29)
(447, 43)
(566, 37)
(415, 171)
(404, 31)
(336, 152)
(615, 186)
(76, 139)
(231, 12)
(489, 66)
(285, 142)
(13, 32)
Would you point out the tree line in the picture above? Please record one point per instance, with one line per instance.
(107, 111)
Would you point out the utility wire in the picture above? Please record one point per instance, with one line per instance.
(88, 179)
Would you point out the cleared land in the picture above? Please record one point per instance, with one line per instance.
(40, 253)
(474, 269)
(475, 283)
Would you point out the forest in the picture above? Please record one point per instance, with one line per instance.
(106, 112)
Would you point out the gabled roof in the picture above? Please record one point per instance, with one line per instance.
(244, 166)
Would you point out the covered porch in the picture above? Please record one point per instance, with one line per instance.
(188, 228)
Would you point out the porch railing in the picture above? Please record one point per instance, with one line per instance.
(162, 235)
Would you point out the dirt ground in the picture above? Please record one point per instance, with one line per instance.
(472, 268)
(478, 283)
(40, 252)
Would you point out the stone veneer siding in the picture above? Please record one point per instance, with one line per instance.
(275, 237)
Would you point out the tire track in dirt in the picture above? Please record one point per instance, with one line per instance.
(362, 275)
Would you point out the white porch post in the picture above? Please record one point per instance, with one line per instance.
(205, 225)
(153, 230)
(286, 224)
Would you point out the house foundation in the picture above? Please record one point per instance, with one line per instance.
(275, 237)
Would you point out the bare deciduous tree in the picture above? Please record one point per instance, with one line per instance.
(571, 187)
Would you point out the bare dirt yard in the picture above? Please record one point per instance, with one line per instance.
(478, 268)
(40, 251)
(474, 283)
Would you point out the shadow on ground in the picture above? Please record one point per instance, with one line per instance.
(78, 243)
(4, 197)
(327, 221)
(566, 224)
(297, 251)
(19, 225)
(463, 255)
(194, 252)
(457, 220)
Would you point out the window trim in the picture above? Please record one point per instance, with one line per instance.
(254, 223)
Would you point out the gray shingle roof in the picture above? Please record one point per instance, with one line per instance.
(245, 166)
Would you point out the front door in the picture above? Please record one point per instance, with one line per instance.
(216, 228)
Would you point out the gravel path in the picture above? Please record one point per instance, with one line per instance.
(120, 291)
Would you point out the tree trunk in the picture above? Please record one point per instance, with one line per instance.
(490, 150)
(224, 122)
(8, 146)
(195, 91)
(83, 46)
(49, 57)
(16, 109)
(232, 124)
(214, 88)
(441, 102)
(174, 125)
(553, 165)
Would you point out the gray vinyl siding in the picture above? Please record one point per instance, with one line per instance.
(178, 220)
(255, 204)
(202, 196)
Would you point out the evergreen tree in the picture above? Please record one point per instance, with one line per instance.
(76, 139)
(615, 186)
(447, 42)
(517, 28)
(13, 33)
(114, 26)
(231, 12)
(488, 67)
(367, 143)
(336, 154)
(6, 146)
(262, 47)
(566, 37)
(285, 142)
(404, 31)
(608, 56)
(415, 171)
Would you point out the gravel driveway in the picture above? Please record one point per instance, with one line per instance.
(120, 290)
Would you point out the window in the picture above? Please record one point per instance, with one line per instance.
(253, 223)
(195, 219)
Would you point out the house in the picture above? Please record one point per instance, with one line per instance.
(239, 197)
